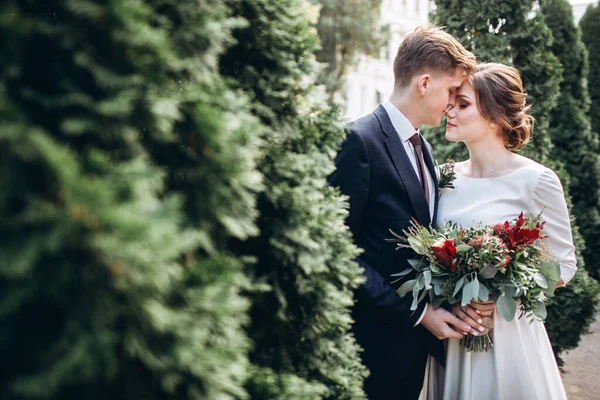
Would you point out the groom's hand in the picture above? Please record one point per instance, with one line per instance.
(443, 325)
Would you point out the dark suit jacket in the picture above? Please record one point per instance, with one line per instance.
(374, 170)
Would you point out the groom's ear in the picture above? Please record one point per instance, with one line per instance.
(423, 82)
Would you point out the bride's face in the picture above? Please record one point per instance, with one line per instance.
(465, 122)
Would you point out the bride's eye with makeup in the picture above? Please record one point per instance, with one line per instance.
(463, 105)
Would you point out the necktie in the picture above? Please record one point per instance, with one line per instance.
(416, 142)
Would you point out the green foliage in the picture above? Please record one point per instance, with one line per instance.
(300, 314)
(347, 29)
(167, 207)
(516, 33)
(589, 28)
(575, 144)
(574, 306)
(116, 282)
(572, 310)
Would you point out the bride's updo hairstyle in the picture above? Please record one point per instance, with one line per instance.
(501, 100)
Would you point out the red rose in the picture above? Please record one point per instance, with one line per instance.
(445, 251)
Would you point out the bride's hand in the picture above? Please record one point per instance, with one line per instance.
(471, 317)
(483, 308)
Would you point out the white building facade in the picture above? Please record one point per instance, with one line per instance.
(579, 7)
(371, 81)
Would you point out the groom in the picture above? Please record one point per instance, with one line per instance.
(386, 168)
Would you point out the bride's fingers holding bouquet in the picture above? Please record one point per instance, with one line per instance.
(483, 308)
(468, 315)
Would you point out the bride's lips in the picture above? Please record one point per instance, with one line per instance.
(449, 125)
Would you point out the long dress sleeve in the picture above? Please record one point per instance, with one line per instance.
(548, 196)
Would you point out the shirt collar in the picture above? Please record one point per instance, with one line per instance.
(400, 123)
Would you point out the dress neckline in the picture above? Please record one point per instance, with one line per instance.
(501, 176)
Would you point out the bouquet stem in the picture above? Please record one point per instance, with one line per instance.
(479, 344)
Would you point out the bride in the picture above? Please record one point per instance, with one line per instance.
(495, 184)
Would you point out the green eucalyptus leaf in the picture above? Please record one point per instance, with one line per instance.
(510, 289)
(417, 246)
(435, 268)
(467, 294)
(540, 279)
(488, 272)
(507, 307)
(463, 248)
(415, 301)
(420, 281)
(403, 273)
(484, 294)
(457, 286)
(406, 287)
(550, 270)
(438, 281)
(475, 288)
(539, 310)
(418, 265)
(427, 275)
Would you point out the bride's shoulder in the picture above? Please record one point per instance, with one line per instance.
(538, 172)
(524, 162)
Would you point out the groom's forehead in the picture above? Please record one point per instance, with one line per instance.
(457, 78)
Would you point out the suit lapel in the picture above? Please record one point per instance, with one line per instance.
(404, 168)
(428, 157)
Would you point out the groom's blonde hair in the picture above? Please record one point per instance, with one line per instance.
(428, 49)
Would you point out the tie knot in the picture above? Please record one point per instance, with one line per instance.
(415, 139)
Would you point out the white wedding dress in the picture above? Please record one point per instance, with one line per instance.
(521, 366)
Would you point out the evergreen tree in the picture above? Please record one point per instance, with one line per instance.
(575, 144)
(347, 29)
(125, 177)
(589, 28)
(515, 33)
(300, 317)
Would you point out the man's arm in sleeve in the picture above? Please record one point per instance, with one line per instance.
(352, 176)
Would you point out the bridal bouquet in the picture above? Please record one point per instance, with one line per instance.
(506, 262)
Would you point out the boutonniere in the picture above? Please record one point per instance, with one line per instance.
(446, 175)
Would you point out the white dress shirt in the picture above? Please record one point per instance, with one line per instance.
(405, 130)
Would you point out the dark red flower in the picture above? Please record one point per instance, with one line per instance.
(525, 237)
(445, 252)
(515, 236)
